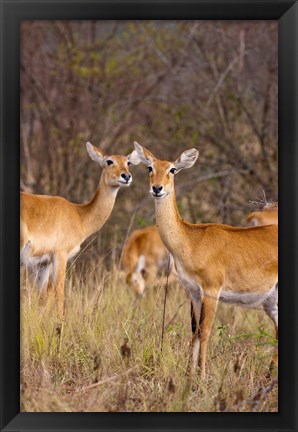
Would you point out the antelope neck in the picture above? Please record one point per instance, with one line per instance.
(169, 222)
(95, 214)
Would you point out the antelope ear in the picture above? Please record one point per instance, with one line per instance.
(187, 159)
(134, 158)
(144, 154)
(95, 154)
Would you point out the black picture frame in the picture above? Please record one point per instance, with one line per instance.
(12, 12)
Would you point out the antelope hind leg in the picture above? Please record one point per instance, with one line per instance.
(271, 308)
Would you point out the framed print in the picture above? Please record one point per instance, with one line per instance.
(154, 145)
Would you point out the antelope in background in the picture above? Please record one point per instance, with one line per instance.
(267, 216)
(213, 261)
(53, 228)
(143, 257)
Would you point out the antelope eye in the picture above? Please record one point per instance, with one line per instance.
(110, 162)
(128, 163)
(172, 170)
(150, 169)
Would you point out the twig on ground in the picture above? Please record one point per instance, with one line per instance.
(255, 400)
(106, 380)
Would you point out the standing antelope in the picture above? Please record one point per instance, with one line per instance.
(143, 256)
(52, 228)
(267, 216)
(214, 262)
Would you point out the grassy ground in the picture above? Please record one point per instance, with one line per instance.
(111, 358)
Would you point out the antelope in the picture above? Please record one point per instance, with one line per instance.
(143, 255)
(214, 262)
(267, 216)
(52, 228)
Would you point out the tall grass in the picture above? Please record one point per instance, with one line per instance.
(110, 358)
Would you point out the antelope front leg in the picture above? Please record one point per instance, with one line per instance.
(208, 310)
(56, 285)
(195, 343)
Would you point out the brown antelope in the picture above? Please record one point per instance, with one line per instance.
(267, 216)
(143, 256)
(53, 228)
(213, 261)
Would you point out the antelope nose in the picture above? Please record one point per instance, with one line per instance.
(126, 176)
(156, 189)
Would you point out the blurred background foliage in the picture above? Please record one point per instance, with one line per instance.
(170, 85)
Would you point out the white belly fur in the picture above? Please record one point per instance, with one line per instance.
(245, 299)
(34, 260)
(41, 267)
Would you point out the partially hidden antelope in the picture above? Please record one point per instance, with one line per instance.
(267, 216)
(213, 261)
(52, 228)
(144, 256)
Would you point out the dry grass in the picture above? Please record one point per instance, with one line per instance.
(111, 357)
